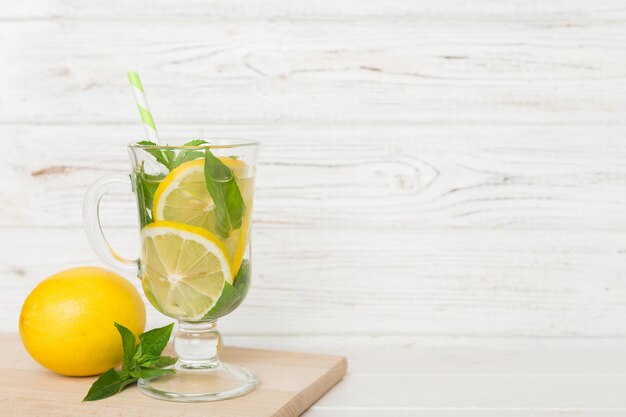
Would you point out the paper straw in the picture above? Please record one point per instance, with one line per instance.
(142, 105)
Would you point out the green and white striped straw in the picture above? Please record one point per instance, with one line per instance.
(142, 105)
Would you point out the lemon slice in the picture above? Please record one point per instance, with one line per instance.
(184, 269)
(182, 197)
(237, 243)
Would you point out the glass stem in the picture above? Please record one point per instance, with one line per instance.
(197, 345)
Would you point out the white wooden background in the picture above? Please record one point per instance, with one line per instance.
(433, 173)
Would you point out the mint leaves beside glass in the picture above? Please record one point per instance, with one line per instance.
(141, 360)
(223, 188)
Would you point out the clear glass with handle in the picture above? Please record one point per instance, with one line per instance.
(195, 207)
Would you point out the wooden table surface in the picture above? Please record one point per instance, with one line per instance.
(469, 382)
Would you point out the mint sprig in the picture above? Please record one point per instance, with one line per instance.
(223, 188)
(141, 360)
(164, 156)
(169, 159)
(186, 155)
(146, 186)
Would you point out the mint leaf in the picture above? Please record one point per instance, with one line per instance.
(138, 355)
(164, 361)
(232, 295)
(163, 156)
(196, 142)
(110, 383)
(128, 344)
(169, 156)
(186, 155)
(169, 159)
(143, 360)
(242, 279)
(148, 373)
(223, 188)
(146, 186)
(228, 301)
(154, 341)
(160, 362)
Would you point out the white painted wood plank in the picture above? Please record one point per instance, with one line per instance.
(449, 208)
(384, 71)
(375, 177)
(403, 282)
(321, 9)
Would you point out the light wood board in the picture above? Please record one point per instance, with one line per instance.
(290, 383)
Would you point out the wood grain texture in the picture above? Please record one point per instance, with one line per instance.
(406, 282)
(374, 177)
(449, 10)
(472, 70)
(290, 383)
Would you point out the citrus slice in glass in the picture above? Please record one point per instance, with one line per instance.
(182, 197)
(184, 269)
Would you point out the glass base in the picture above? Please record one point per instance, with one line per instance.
(195, 385)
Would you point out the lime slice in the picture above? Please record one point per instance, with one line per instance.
(184, 269)
(183, 197)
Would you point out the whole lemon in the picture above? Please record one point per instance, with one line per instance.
(66, 322)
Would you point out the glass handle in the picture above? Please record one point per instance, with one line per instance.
(93, 228)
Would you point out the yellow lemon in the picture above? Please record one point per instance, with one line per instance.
(66, 322)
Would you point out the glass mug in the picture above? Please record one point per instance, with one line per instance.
(195, 208)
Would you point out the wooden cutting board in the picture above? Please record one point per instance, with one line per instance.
(290, 383)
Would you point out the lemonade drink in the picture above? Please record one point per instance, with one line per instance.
(195, 204)
(195, 222)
